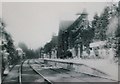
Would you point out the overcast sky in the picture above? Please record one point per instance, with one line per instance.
(35, 22)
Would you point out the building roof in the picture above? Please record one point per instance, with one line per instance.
(65, 24)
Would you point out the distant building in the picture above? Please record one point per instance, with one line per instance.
(19, 52)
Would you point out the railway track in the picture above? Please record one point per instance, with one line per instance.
(27, 66)
(46, 80)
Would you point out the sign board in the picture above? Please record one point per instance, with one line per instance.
(97, 44)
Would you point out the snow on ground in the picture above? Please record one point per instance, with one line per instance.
(104, 65)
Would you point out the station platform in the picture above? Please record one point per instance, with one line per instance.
(103, 65)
